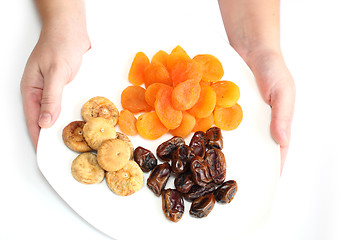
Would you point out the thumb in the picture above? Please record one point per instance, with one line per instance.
(54, 82)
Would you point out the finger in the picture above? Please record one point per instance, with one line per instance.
(54, 82)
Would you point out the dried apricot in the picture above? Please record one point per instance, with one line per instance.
(151, 91)
(127, 122)
(160, 57)
(206, 103)
(186, 94)
(168, 115)
(228, 118)
(184, 70)
(176, 57)
(149, 126)
(133, 99)
(178, 48)
(156, 72)
(186, 126)
(136, 73)
(227, 93)
(203, 124)
(211, 67)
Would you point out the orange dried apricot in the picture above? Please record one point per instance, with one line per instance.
(156, 72)
(203, 124)
(149, 126)
(160, 57)
(228, 118)
(185, 70)
(186, 126)
(176, 57)
(127, 122)
(178, 48)
(186, 94)
(205, 104)
(151, 91)
(168, 115)
(227, 93)
(136, 73)
(211, 67)
(133, 99)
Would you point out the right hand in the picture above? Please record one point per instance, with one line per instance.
(53, 63)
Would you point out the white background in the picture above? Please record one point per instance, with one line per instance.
(318, 193)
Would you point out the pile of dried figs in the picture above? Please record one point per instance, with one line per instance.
(199, 169)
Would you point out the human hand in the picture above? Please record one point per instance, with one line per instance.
(53, 63)
(277, 88)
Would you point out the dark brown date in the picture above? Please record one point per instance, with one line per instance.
(158, 178)
(198, 191)
(226, 192)
(215, 160)
(214, 138)
(198, 143)
(184, 182)
(145, 158)
(165, 150)
(172, 204)
(181, 158)
(200, 171)
(202, 206)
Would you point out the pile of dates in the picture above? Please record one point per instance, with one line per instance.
(199, 169)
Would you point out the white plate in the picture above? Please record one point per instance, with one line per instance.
(252, 156)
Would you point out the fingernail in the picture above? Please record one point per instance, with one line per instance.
(44, 120)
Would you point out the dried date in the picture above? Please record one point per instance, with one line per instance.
(172, 204)
(226, 192)
(202, 206)
(198, 191)
(198, 143)
(200, 171)
(215, 160)
(214, 138)
(181, 158)
(165, 150)
(158, 178)
(184, 182)
(145, 158)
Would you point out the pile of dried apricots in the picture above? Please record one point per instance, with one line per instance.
(180, 95)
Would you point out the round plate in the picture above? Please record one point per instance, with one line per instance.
(252, 156)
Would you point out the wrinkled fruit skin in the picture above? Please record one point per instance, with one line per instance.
(158, 178)
(198, 191)
(172, 204)
(202, 206)
(198, 143)
(145, 158)
(215, 160)
(184, 182)
(181, 158)
(165, 150)
(214, 138)
(226, 192)
(200, 171)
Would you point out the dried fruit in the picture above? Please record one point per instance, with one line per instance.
(158, 178)
(97, 130)
(185, 94)
(85, 169)
(133, 99)
(126, 139)
(149, 126)
(184, 70)
(165, 150)
(127, 180)
(227, 93)
(172, 204)
(214, 138)
(212, 68)
(198, 191)
(200, 171)
(216, 163)
(202, 206)
(202, 124)
(183, 182)
(168, 115)
(156, 72)
(226, 192)
(100, 107)
(205, 104)
(136, 73)
(145, 158)
(228, 118)
(160, 57)
(73, 137)
(181, 158)
(198, 143)
(127, 122)
(151, 91)
(187, 125)
(113, 154)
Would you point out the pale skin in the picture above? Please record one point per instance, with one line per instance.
(252, 27)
